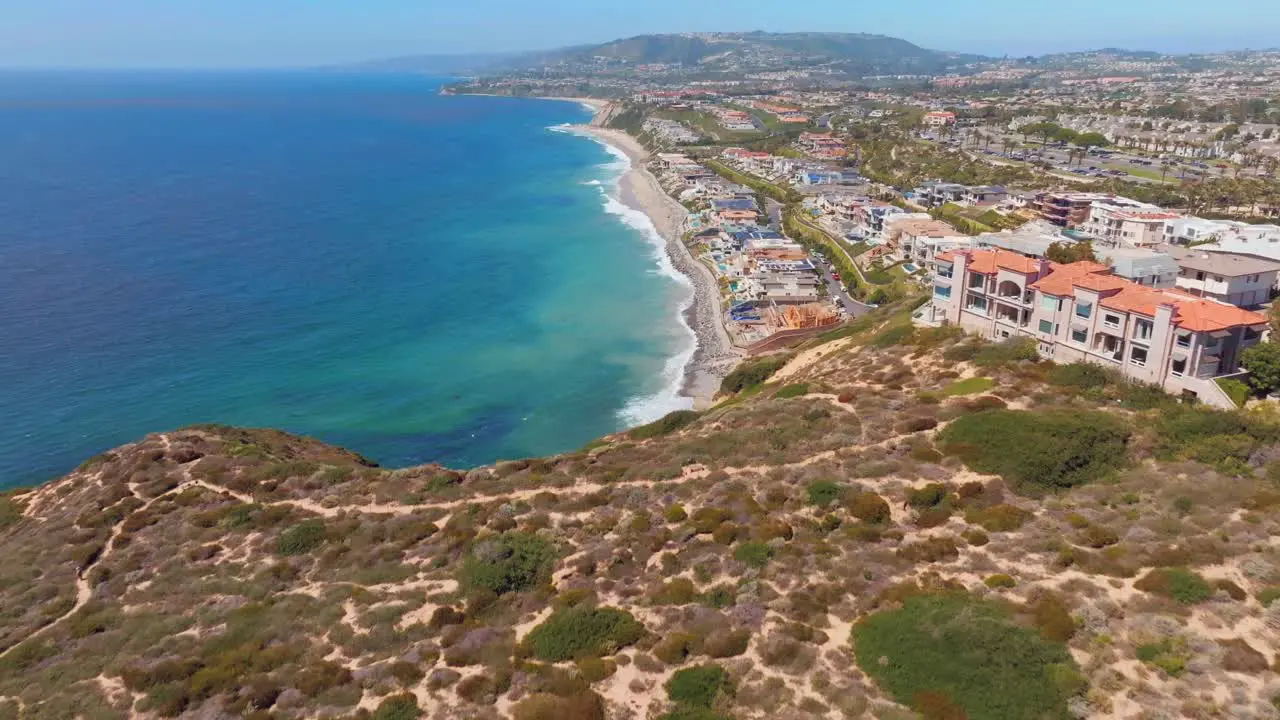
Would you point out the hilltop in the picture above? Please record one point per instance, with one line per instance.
(852, 53)
(889, 518)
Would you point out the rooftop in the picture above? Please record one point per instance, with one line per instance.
(1222, 263)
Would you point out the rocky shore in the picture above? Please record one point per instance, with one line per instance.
(716, 355)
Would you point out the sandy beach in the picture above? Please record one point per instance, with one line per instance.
(716, 355)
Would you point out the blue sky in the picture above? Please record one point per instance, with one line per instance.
(268, 33)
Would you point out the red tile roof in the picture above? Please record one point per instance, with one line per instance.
(1190, 312)
(989, 261)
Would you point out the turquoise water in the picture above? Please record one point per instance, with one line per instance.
(416, 277)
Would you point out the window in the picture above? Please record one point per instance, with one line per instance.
(1046, 326)
(1138, 356)
(1079, 337)
(1110, 320)
(1142, 329)
(977, 303)
(1211, 342)
(1200, 276)
(1217, 278)
(977, 280)
(1084, 310)
(1253, 278)
(945, 271)
(1049, 303)
(942, 292)
(1184, 341)
(1179, 367)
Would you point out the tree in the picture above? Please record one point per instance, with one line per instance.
(1263, 363)
(1069, 252)
(1092, 139)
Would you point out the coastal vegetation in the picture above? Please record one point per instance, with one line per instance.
(939, 525)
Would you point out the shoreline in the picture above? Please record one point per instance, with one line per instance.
(714, 354)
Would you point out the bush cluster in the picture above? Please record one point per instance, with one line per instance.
(1178, 584)
(792, 391)
(751, 374)
(583, 632)
(512, 562)
(664, 425)
(970, 651)
(301, 538)
(868, 507)
(1039, 451)
(697, 686)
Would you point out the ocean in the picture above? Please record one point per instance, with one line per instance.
(417, 277)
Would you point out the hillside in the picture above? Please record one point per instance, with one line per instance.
(895, 519)
(854, 53)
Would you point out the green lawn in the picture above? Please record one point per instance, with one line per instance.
(970, 386)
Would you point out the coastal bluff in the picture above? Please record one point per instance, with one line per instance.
(887, 522)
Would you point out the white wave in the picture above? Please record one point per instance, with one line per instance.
(647, 408)
(592, 183)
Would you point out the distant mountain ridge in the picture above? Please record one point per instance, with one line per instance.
(851, 52)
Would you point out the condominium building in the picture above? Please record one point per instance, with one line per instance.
(1236, 279)
(1127, 223)
(1066, 209)
(1080, 312)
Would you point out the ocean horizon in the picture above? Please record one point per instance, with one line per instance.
(416, 277)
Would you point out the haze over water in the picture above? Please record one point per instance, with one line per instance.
(415, 277)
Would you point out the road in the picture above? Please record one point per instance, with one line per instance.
(851, 307)
(774, 209)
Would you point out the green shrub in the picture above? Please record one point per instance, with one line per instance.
(580, 705)
(1168, 654)
(512, 562)
(972, 651)
(1000, 580)
(1098, 536)
(934, 549)
(753, 554)
(1007, 352)
(1222, 439)
(697, 686)
(1038, 451)
(890, 336)
(706, 519)
(792, 391)
(751, 374)
(10, 511)
(1178, 584)
(398, 707)
(1236, 390)
(675, 513)
(868, 507)
(1082, 376)
(301, 538)
(971, 386)
(726, 643)
(1053, 618)
(997, 518)
(824, 492)
(928, 496)
(583, 632)
(665, 425)
(677, 591)
(1268, 595)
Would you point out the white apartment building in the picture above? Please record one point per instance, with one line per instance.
(1239, 280)
(1126, 223)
